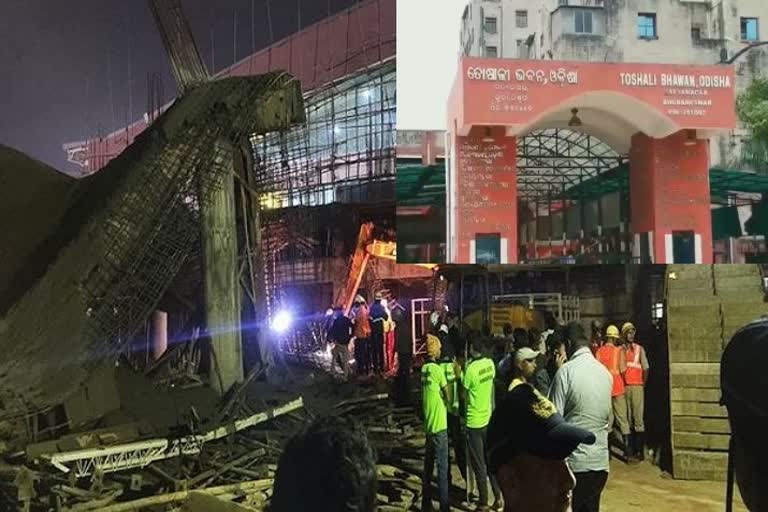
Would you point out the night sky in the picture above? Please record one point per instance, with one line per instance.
(64, 65)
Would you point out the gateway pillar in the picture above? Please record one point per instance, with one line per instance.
(670, 200)
(484, 198)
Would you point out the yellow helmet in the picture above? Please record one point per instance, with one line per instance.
(627, 327)
(612, 332)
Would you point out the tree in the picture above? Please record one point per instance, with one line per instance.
(752, 108)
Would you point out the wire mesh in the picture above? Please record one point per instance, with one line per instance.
(154, 226)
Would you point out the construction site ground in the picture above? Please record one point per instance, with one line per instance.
(249, 457)
(630, 487)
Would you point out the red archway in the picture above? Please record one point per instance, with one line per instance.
(659, 116)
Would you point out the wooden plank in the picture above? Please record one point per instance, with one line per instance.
(693, 465)
(700, 441)
(694, 395)
(706, 410)
(703, 425)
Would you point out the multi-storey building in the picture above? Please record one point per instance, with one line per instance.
(681, 32)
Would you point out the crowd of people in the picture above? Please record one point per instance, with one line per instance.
(590, 382)
(530, 420)
(371, 330)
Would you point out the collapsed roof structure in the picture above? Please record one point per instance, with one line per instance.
(90, 258)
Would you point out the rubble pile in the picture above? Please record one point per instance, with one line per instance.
(232, 464)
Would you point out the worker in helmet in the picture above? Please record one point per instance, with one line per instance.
(635, 378)
(435, 399)
(362, 334)
(613, 357)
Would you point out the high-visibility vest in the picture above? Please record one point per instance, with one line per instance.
(609, 355)
(634, 373)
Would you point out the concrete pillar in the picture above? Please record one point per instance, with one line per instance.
(485, 195)
(669, 189)
(159, 334)
(221, 285)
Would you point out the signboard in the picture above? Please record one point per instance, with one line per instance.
(516, 92)
(486, 188)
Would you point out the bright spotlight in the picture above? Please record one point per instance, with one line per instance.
(281, 321)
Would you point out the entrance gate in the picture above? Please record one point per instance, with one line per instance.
(659, 118)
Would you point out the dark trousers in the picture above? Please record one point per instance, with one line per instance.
(476, 444)
(377, 346)
(436, 449)
(456, 438)
(361, 355)
(403, 381)
(586, 494)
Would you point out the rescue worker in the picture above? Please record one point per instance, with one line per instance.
(596, 338)
(477, 384)
(452, 375)
(378, 316)
(340, 333)
(635, 378)
(389, 338)
(613, 357)
(362, 333)
(435, 394)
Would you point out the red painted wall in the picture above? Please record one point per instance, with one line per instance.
(669, 185)
(346, 43)
(486, 191)
(510, 92)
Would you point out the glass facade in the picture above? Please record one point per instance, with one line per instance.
(344, 153)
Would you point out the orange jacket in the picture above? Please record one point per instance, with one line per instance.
(611, 356)
(634, 373)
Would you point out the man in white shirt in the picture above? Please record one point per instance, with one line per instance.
(581, 392)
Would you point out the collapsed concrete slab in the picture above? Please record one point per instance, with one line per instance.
(84, 266)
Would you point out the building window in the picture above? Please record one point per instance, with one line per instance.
(521, 19)
(490, 51)
(696, 34)
(583, 20)
(490, 25)
(488, 249)
(749, 29)
(646, 26)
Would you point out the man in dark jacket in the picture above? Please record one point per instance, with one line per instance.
(404, 349)
(378, 316)
(340, 333)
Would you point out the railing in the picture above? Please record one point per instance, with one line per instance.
(566, 308)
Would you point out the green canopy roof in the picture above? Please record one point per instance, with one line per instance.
(419, 185)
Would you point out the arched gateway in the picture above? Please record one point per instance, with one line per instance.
(660, 116)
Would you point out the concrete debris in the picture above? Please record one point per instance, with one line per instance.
(233, 470)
